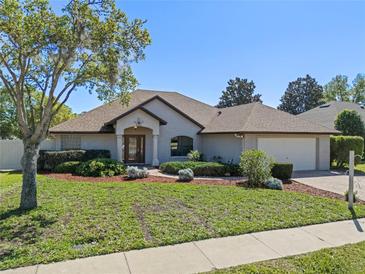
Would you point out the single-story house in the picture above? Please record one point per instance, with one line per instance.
(159, 126)
(326, 114)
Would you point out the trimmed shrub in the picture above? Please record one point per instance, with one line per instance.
(232, 169)
(67, 167)
(195, 156)
(274, 183)
(199, 168)
(341, 146)
(101, 167)
(186, 175)
(137, 173)
(256, 165)
(282, 171)
(48, 159)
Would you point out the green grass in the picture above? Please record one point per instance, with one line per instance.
(345, 260)
(83, 219)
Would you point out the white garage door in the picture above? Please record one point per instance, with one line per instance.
(301, 152)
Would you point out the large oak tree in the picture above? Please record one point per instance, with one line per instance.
(239, 91)
(301, 95)
(90, 44)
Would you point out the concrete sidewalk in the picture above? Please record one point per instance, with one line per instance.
(210, 254)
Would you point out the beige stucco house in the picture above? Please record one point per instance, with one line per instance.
(161, 126)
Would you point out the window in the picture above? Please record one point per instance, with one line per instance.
(70, 142)
(181, 145)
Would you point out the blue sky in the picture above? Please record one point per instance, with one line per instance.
(198, 46)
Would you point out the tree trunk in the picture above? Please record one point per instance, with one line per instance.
(28, 199)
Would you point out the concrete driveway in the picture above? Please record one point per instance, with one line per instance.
(331, 181)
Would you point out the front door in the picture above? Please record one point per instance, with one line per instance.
(134, 149)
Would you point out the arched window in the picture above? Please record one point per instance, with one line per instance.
(181, 145)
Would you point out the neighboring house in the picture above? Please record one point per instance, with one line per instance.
(164, 126)
(326, 114)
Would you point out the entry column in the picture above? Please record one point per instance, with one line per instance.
(120, 147)
(155, 161)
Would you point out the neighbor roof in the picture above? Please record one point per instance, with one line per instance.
(254, 117)
(326, 114)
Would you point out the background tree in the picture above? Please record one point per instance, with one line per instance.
(349, 123)
(8, 120)
(239, 91)
(338, 89)
(89, 44)
(301, 95)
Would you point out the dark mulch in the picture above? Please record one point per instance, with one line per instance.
(298, 187)
(288, 186)
(149, 179)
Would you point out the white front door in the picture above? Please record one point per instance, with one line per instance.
(301, 152)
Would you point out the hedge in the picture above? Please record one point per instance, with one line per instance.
(101, 167)
(67, 167)
(199, 168)
(48, 160)
(341, 145)
(282, 171)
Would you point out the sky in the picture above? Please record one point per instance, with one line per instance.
(197, 46)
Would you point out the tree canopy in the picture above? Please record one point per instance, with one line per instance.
(89, 44)
(239, 91)
(339, 89)
(301, 95)
(349, 122)
(8, 121)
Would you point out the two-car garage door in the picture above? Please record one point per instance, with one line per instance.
(299, 151)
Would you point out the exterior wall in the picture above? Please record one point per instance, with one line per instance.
(100, 141)
(226, 146)
(129, 122)
(323, 153)
(94, 141)
(149, 145)
(177, 125)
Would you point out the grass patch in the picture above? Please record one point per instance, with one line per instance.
(345, 259)
(83, 219)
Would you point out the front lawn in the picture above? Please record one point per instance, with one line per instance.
(345, 260)
(82, 219)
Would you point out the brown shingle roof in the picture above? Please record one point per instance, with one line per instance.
(253, 117)
(258, 118)
(95, 120)
(326, 114)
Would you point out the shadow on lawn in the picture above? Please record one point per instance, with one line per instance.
(27, 229)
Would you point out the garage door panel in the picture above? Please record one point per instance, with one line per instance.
(299, 151)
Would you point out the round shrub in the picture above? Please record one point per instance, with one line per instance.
(186, 175)
(274, 183)
(101, 167)
(67, 167)
(256, 165)
(195, 156)
(282, 171)
(137, 173)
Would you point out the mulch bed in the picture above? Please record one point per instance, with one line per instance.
(291, 186)
(149, 179)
